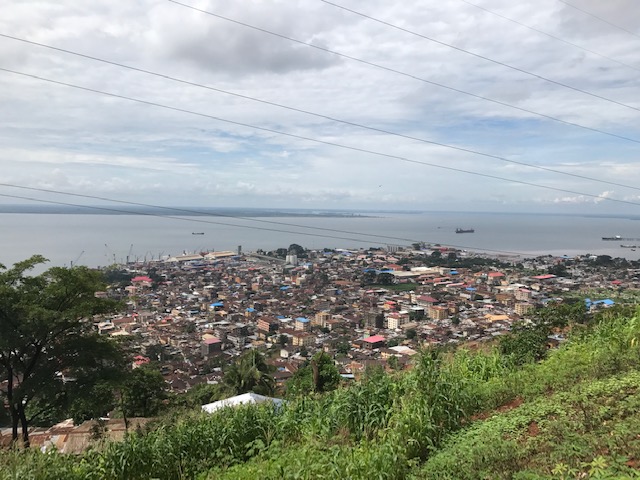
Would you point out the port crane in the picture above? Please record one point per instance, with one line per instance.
(76, 260)
(109, 254)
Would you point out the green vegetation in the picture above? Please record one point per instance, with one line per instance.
(316, 375)
(52, 361)
(249, 373)
(457, 414)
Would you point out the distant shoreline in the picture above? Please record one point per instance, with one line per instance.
(174, 211)
(233, 212)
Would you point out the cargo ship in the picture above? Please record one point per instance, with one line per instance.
(617, 237)
(465, 230)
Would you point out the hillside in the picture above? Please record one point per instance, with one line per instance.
(455, 415)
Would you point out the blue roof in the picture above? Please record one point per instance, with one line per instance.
(217, 304)
(302, 320)
(251, 310)
(280, 317)
(286, 287)
(471, 289)
(453, 272)
(606, 301)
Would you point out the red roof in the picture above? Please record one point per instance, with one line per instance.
(141, 278)
(212, 340)
(495, 274)
(427, 298)
(544, 277)
(374, 339)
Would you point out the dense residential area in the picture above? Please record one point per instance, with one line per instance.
(194, 314)
(283, 364)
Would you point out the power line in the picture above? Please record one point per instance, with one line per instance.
(171, 217)
(198, 212)
(392, 70)
(468, 52)
(324, 142)
(593, 15)
(346, 122)
(550, 35)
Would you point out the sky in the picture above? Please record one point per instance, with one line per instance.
(346, 117)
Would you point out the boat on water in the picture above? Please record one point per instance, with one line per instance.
(465, 230)
(197, 233)
(617, 237)
(628, 246)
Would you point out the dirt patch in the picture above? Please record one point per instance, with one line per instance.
(515, 403)
(633, 463)
(533, 430)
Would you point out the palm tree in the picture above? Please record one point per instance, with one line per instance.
(250, 373)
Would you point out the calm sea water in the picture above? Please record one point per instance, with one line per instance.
(95, 240)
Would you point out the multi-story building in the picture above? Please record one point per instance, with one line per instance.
(321, 318)
(523, 308)
(302, 324)
(438, 312)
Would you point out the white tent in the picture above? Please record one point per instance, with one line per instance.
(240, 400)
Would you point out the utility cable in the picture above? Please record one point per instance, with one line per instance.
(316, 140)
(171, 217)
(468, 52)
(338, 120)
(198, 212)
(376, 65)
(599, 18)
(550, 35)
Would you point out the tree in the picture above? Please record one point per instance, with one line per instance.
(393, 342)
(393, 362)
(411, 334)
(385, 278)
(142, 393)
(316, 375)
(49, 353)
(525, 343)
(295, 249)
(343, 347)
(250, 373)
(369, 277)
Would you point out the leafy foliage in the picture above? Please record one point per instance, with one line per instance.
(455, 415)
(49, 354)
(317, 375)
(250, 373)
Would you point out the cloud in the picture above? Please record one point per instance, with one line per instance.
(80, 141)
(583, 199)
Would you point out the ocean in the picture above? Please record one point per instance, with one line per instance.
(100, 239)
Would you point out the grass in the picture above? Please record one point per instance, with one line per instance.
(455, 415)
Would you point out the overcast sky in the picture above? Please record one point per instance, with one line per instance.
(65, 139)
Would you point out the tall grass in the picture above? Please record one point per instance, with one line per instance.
(376, 428)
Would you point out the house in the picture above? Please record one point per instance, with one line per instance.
(375, 341)
(302, 324)
(210, 345)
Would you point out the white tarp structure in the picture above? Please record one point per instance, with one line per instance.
(240, 400)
